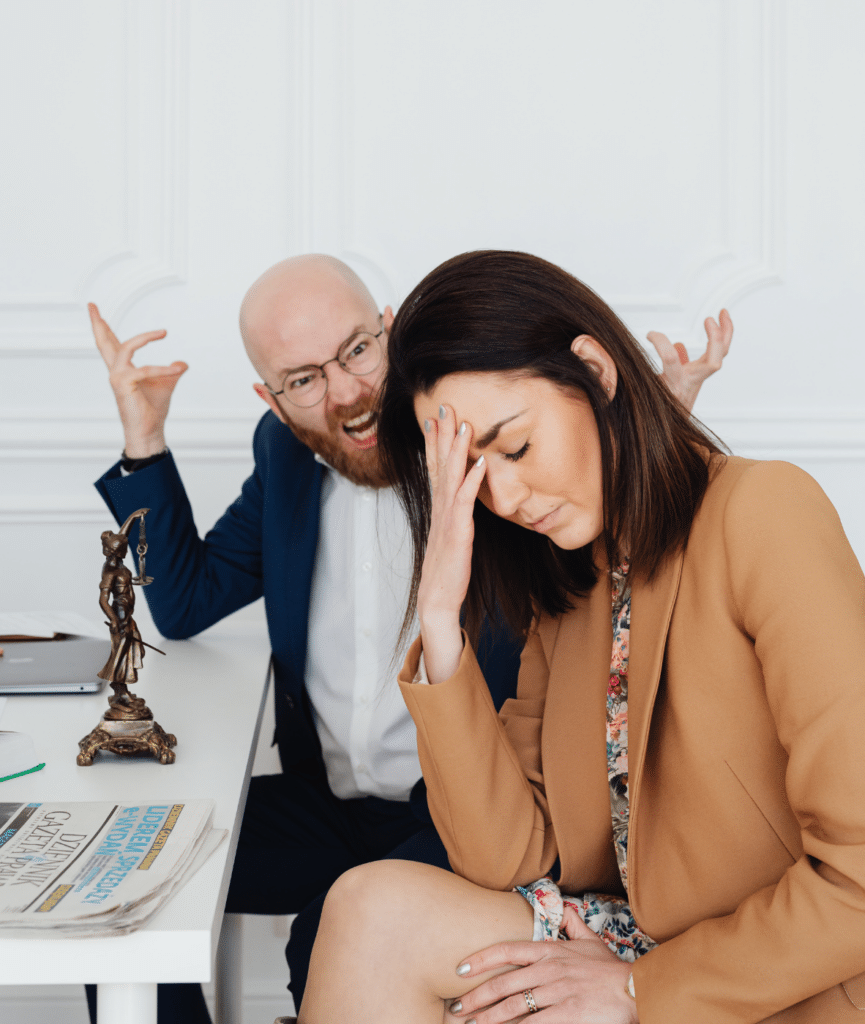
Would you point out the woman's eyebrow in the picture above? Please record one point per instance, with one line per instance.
(485, 440)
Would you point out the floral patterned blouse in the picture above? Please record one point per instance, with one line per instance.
(609, 917)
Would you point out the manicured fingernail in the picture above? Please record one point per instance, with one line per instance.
(474, 1020)
(427, 426)
(456, 1007)
(464, 968)
(480, 461)
(442, 412)
(462, 429)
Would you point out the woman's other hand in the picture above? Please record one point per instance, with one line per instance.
(683, 376)
(577, 980)
(448, 559)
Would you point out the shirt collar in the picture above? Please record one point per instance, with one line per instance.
(338, 476)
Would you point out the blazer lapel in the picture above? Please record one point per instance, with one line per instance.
(301, 529)
(292, 510)
(548, 631)
(651, 611)
(578, 655)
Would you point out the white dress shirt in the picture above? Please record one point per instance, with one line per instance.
(359, 595)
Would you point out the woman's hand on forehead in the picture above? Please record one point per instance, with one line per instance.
(447, 563)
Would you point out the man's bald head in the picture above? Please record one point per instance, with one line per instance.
(294, 300)
(300, 314)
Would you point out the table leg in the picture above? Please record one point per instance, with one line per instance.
(229, 980)
(133, 1003)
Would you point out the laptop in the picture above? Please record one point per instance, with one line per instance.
(53, 666)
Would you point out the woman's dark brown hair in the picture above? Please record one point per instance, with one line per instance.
(509, 312)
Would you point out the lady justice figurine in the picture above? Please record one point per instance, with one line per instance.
(127, 727)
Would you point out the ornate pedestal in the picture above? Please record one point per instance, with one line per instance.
(125, 737)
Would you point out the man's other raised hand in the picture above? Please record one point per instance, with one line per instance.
(143, 393)
(683, 376)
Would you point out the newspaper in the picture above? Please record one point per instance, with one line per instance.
(96, 869)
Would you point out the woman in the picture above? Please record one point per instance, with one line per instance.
(684, 606)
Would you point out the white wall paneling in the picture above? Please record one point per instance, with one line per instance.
(555, 129)
(119, 113)
(98, 192)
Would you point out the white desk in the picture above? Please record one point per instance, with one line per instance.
(210, 693)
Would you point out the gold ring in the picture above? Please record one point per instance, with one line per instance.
(530, 1001)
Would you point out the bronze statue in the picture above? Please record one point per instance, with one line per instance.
(117, 600)
(127, 726)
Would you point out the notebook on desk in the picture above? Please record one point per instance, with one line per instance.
(53, 666)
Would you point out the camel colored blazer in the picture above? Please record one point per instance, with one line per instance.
(746, 694)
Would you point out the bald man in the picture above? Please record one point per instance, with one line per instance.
(317, 532)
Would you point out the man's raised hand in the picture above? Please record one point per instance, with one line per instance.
(143, 393)
(685, 377)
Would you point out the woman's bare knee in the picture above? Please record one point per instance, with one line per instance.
(408, 926)
(405, 915)
(365, 895)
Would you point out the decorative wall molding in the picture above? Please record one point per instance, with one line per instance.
(324, 63)
(372, 265)
(151, 253)
(746, 255)
(807, 436)
(45, 344)
(302, 40)
(186, 453)
(60, 510)
(201, 436)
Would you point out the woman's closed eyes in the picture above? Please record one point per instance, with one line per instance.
(516, 456)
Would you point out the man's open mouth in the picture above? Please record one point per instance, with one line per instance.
(362, 427)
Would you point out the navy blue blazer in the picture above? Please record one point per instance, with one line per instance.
(264, 544)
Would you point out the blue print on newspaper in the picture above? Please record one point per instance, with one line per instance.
(66, 862)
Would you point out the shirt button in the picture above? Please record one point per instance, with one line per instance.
(361, 769)
(367, 632)
(366, 566)
(364, 699)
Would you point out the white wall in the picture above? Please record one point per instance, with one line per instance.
(158, 154)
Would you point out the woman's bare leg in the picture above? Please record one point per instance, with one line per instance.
(392, 935)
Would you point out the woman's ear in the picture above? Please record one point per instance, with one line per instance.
(595, 356)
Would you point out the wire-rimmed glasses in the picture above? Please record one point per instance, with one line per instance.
(307, 385)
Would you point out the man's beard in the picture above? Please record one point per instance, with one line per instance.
(363, 466)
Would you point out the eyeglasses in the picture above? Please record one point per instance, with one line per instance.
(307, 385)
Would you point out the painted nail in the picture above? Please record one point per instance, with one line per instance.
(480, 461)
(427, 426)
(464, 968)
(474, 1020)
(462, 429)
(456, 1007)
(442, 412)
